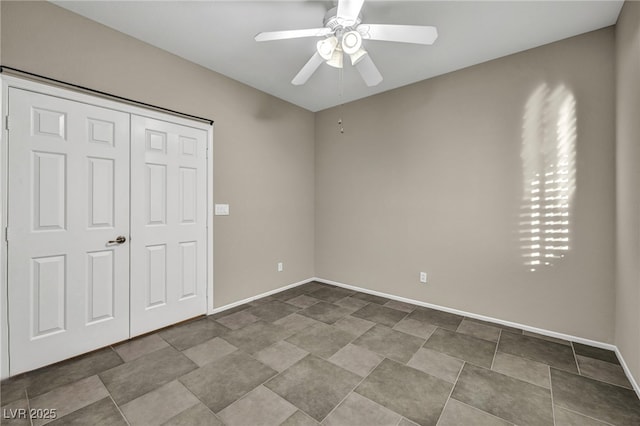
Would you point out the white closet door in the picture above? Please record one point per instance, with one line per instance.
(68, 196)
(168, 223)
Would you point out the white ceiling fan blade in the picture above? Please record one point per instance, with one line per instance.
(283, 35)
(400, 33)
(348, 10)
(307, 70)
(369, 71)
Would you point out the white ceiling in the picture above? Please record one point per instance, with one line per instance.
(219, 35)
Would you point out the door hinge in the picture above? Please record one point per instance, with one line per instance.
(6, 234)
(6, 122)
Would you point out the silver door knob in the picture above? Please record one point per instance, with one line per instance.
(119, 240)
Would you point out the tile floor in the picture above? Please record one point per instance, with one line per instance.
(322, 354)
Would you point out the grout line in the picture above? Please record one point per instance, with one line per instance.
(118, 355)
(484, 412)
(604, 381)
(205, 406)
(553, 408)
(196, 396)
(273, 377)
(118, 407)
(444, 408)
(589, 417)
(455, 382)
(496, 351)
(26, 394)
(575, 358)
(111, 398)
(353, 390)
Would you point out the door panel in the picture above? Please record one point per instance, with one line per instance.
(100, 285)
(101, 200)
(68, 195)
(168, 223)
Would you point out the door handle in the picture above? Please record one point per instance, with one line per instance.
(119, 240)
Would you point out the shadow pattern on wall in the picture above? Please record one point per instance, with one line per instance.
(549, 175)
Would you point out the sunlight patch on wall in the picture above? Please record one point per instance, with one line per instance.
(549, 176)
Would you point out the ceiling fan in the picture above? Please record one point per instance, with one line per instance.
(343, 33)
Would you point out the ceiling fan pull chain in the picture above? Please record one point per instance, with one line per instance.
(340, 90)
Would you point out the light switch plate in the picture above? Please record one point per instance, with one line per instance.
(222, 210)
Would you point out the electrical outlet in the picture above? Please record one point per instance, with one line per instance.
(423, 277)
(280, 267)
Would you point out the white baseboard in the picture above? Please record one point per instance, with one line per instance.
(628, 372)
(259, 296)
(475, 316)
(525, 327)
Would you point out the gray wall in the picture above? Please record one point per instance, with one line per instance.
(627, 320)
(428, 178)
(263, 147)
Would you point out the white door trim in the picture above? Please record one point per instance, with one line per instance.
(11, 81)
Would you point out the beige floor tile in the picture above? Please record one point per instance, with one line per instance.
(356, 359)
(295, 322)
(303, 301)
(280, 355)
(603, 371)
(437, 364)
(209, 351)
(351, 303)
(547, 338)
(415, 328)
(480, 331)
(69, 398)
(159, 405)
(418, 396)
(356, 410)
(314, 385)
(524, 369)
(259, 407)
(299, 419)
(238, 319)
(401, 306)
(141, 346)
(198, 415)
(566, 417)
(353, 325)
(457, 413)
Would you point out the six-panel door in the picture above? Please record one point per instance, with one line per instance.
(79, 177)
(168, 223)
(68, 196)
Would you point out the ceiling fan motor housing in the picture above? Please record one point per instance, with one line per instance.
(336, 24)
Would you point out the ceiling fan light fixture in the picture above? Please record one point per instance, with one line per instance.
(336, 58)
(326, 48)
(351, 42)
(358, 56)
(343, 33)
